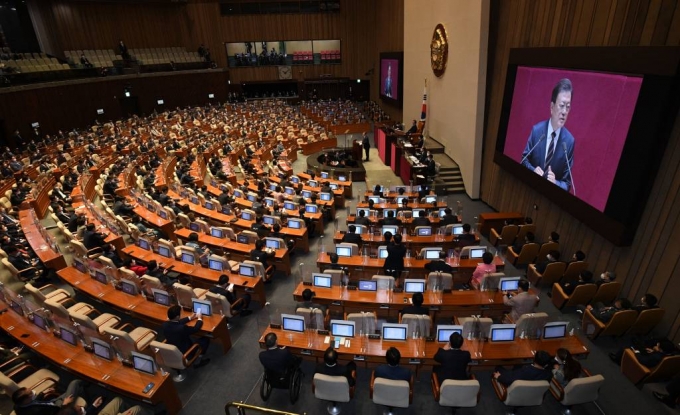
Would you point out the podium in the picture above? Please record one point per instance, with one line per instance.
(357, 150)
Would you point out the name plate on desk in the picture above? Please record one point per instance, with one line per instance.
(275, 326)
(306, 352)
(323, 332)
(374, 337)
(359, 358)
(413, 361)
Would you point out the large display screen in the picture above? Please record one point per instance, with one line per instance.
(391, 82)
(590, 114)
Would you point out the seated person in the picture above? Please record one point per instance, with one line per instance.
(604, 314)
(258, 254)
(649, 352)
(307, 302)
(28, 403)
(605, 277)
(259, 227)
(109, 252)
(153, 270)
(351, 237)
(467, 236)
(647, 302)
(439, 265)
(565, 367)
(93, 239)
(392, 370)
(522, 302)
(421, 220)
(416, 307)
(23, 261)
(227, 290)
(529, 238)
(277, 358)
(538, 370)
(485, 268)
(362, 219)
(585, 277)
(133, 266)
(453, 362)
(578, 257)
(115, 406)
(331, 367)
(389, 220)
(553, 256)
(449, 218)
(377, 190)
(203, 253)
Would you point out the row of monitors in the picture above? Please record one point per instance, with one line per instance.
(399, 332)
(420, 230)
(473, 252)
(411, 286)
(414, 212)
(404, 199)
(165, 251)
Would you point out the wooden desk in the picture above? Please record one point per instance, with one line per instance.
(238, 251)
(112, 375)
(48, 256)
(413, 242)
(113, 239)
(411, 205)
(214, 326)
(347, 185)
(496, 220)
(166, 226)
(360, 268)
(202, 277)
(405, 222)
(419, 354)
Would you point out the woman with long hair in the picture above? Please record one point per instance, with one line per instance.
(566, 367)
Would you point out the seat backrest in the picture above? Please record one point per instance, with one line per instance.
(78, 248)
(313, 317)
(393, 393)
(219, 302)
(84, 320)
(490, 281)
(527, 254)
(38, 296)
(259, 268)
(336, 276)
(475, 327)
(417, 324)
(574, 270)
(582, 294)
(526, 392)
(8, 385)
(252, 236)
(620, 323)
(459, 393)
(669, 367)
(168, 355)
(553, 272)
(184, 294)
(508, 234)
(385, 282)
(331, 388)
(366, 323)
(607, 293)
(121, 340)
(440, 280)
(646, 321)
(531, 324)
(545, 250)
(57, 309)
(150, 282)
(582, 390)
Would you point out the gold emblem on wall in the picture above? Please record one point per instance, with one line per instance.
(439, 50)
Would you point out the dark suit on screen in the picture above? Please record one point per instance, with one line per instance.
(559, 161)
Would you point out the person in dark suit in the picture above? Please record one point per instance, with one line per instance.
(421, 220)
(467, 236)
(394, 263)
(529, 238)
(109, 252)
(439, 264)
(550, 148)
(27, 403)
(227, 290)
(649, 353)
(92, 238)
(416, 307)
(366, 144)
(390, 220)
(413, 129)
(177, 333)
(553, 256)
(586, 277)
(604, 314)
(362, 219)
(538, 370)
(258, 254)
(392, 370)
(605, 277)
(453, 362)
(351, 237)
(449, 218)
(331, 367)
(307, 296)
(648, 301)
(276, 359)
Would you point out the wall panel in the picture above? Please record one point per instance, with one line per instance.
(651, 263)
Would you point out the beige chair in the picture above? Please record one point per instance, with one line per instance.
(506, 237)
(314, 318)
(22, 275)
(64, 308)
(581, 295)
(637, 372)
(336, 276)
(333, 389)
(646, 321)
(80, 250)
(474, 327)
(45, 292)
(38, 381)
(417, 324)
(553, 272)
(573, 271)
(252, 236)
(619, 324)
(385, 282)
(524, 257)
(259, 269)
(98, 324)
(169, 356)
(530, 324)
(578, 391)
(186, 293)
(149, 282)
(455, 393)
(128, 338)
(391, 393)
(440, 280)
(521, 393)
(366, 323)
(545, 250)
(222, 306)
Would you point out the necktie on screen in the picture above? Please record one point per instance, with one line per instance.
(551, 150)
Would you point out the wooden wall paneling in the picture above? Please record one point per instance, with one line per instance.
(389, 37)
(651, 262)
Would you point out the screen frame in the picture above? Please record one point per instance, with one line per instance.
(343, 323)
(135, 356)
(447, 327)
(292, 317)
(564, 324)
(419, 281)
(502, 327)
(394, 326)
(399, 56)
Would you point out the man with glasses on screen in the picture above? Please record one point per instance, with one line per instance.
(548, 141)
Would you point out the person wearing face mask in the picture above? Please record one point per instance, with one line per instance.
(648, 301)
(586, 277)
(566, 367)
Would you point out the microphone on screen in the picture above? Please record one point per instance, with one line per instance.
(566, 156)
(531, 150)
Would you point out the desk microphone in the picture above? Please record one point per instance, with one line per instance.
(531, 150)
(564, 147)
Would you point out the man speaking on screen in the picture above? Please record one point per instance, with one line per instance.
(550, 149)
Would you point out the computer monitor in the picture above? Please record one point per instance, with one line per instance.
(325, 197)
(342, 178)
(359, 229)
(128, 287)
(392, 229)
(187, 258)
(289, 191)
(441, 213)
(215, 264)
(431, 253)
(294, 224)
(509, 284)
(401, 200)
(345, 251)
(313, 183)
(209, 206)
(143, 363)
(195, 227)
(163, 214)
(160, 297)
(334, 186)
(80, 266)
(375, 199)
(386, 213)
(292, 322)
(343, 328)
(269, 220)
(39, 321)
(457, 230)
(194, 200)
(272, 243)
(294, 179)
(226, 210)
(414, 286)
(396, 188)
(217, 233)
(246, 216)
(430, 199)
(242, 239)
(444, 332)
(289, 205)
(555, 330)
(427, 231)
(367, 211)
(101, 349)
(502, 333)
(269, 201)
(391, 331)
(273, 186)
(306, 194)
(100, 276)
(416, 212)
(311, 208)
(382, 252)
(324, 174)
(238, 193)
(246, 270)
(477, 252)
(202, 306)
(143, 243)
(252, 198)
(322, 280)
(368, 285)
(68, 335)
